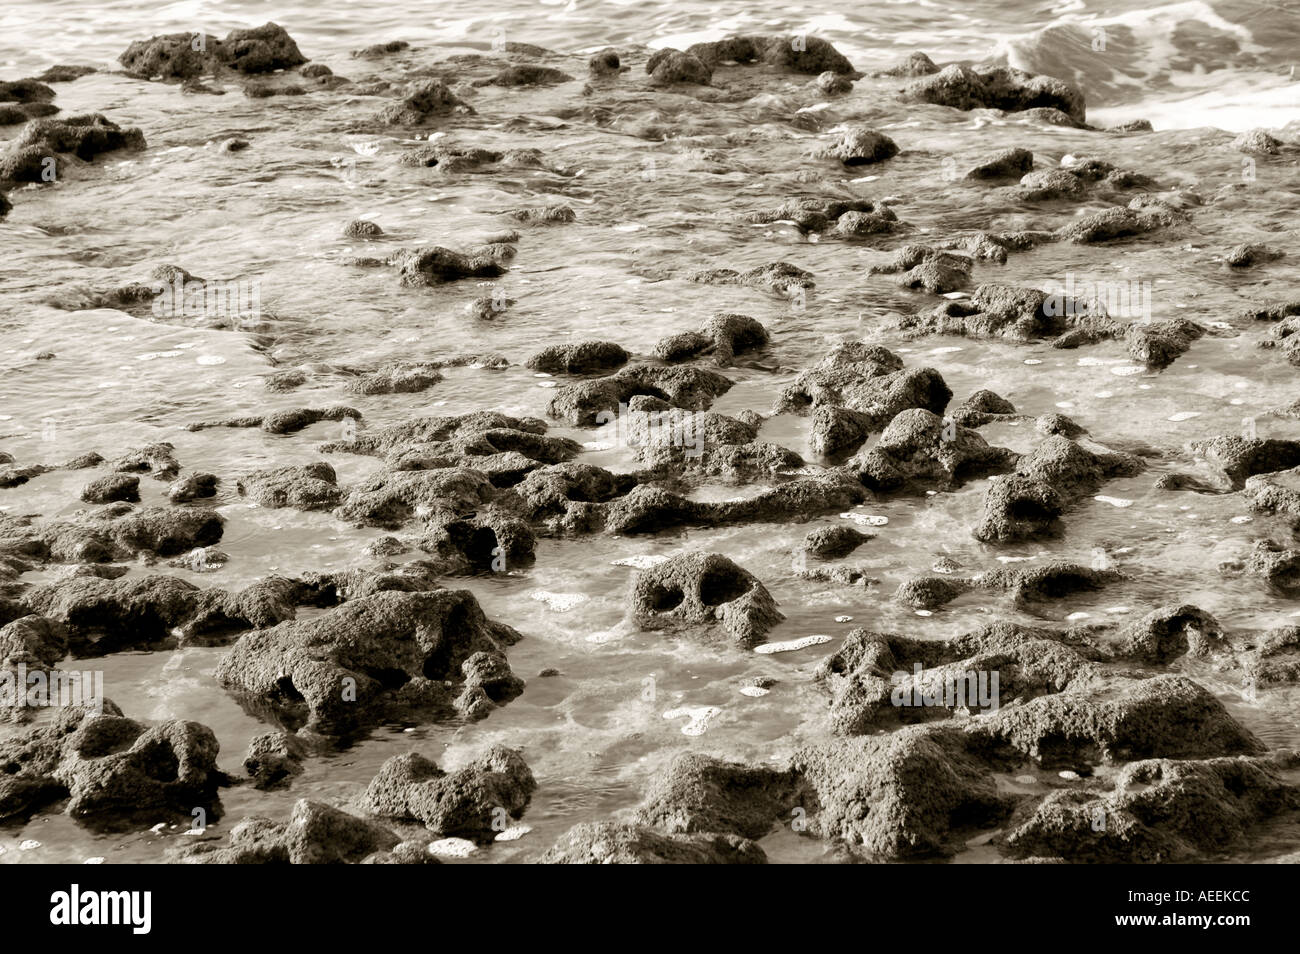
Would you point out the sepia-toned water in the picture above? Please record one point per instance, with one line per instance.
(647, 207)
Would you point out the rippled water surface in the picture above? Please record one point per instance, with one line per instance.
(273, 213)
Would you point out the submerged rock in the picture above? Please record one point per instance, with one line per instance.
(982, 407)
(669, 66)
(704, 592)
(1275, 659)
(605, 63)
(1000, 88)
(390, 498)
(314, 834)
(31, 157)
(1240, 458)
(599, 400)
(383, 656)
(474, 802)
(1010, 164)
(1030, 501)
(526, 74)
(192, 487)
(305, 487)
(1169, 632)
(1115, 223)
(184, 55)
(610, 843)
(274, 758)
(780, 278)
(860, 145)
(909, 794)
(435, 265)
(723, 336)
(920, 446)
(881, 680)
(586, 357)
(830, 543)
(935, 270)
(425, 102)
(1161, 810)
(112, 488)
(1276, 494)
(698, 793)
(103, 616)
(1165, 716)
(1278, 565)
(799, 52)
(106, 765)
(1249, 254)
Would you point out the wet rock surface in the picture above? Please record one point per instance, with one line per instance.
(704, 592)
(774, 394)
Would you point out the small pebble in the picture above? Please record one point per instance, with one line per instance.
(560, 602)
(792, 645)
(513, 833)
(698, 717)
(1069, 776)
(866, 519)
(452, 848)
(843, 619)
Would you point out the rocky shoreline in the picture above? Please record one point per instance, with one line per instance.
(1143, 763)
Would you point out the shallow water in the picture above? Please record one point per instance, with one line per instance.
(649, 208)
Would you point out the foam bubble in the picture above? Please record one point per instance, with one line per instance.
(641, 561)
